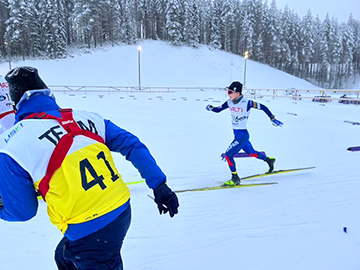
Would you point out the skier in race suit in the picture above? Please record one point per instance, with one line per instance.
(7, 112)
(239, 108)
(64, 155)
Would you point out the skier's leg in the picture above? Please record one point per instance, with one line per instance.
(61, 262)
(99, 250)
(233, 148)
(241, 137)
(249, 149)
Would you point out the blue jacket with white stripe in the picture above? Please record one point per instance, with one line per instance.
(17, 191)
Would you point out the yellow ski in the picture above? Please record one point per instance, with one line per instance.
(227, 187)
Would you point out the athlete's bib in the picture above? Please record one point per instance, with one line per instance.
(86, 186)
(239, 113)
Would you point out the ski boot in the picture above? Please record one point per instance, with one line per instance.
(234, 181)
(270, 161)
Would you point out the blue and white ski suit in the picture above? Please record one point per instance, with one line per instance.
(240, 111)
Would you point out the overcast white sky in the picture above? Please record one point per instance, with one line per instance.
(339, 9)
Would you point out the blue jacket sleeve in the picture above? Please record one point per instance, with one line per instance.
(120, 140)
(221, 108)
(259, 106)
(17, 191)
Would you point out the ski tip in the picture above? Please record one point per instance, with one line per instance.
(135, 182)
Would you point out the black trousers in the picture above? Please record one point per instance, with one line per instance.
(99, 250)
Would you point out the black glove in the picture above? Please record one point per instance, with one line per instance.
(1, 203)
(166, 200)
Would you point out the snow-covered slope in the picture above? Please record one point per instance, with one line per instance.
(161, 65)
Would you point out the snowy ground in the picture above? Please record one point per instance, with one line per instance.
(297, 224)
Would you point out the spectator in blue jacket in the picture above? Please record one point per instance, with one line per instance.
(64, 155)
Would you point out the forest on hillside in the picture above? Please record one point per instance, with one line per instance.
(326, 53)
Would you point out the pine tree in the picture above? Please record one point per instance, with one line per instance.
(147, 18)
(292, 38)
(88, 18)
(262, 13)
(36, 12)
(55, 31)
(174, 21)
(316, 56)
(324, 53)
(3, 18)
(111, 22)
(205, 18)
(307, 32)
(17, 32)
(355, 30)
(142, 18)
(69, 27)
(127, 22)
(272, 37)
(215, 25)
(247, 34)
(227, 25)
(335, 54)
(192, 24)
(160, 18)
(348, 46)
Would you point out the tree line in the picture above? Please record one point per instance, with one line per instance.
(326, 52)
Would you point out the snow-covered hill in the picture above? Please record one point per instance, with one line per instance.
(161, 65)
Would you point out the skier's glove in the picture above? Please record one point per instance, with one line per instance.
(1, 203)
(166, 200)
(209, 107)
(276, 122)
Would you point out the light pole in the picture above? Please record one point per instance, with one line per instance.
(246, 56)
(8, 52)
(139, 52)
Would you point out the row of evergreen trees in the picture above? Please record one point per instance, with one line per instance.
(325, 52)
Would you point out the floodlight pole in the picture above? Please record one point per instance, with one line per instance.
(139, 62)
(246, 56)
(8, 52)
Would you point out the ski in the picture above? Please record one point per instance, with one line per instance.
(352, 122)
(354, 148)
(243, 155)
(135, 182)
(275, 172)
(226, 187)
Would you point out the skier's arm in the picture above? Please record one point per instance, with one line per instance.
(259, 106)
(17, 191)
(120, 140)
(219, 108)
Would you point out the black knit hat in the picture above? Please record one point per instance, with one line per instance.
(236, 87)
(22, 79)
